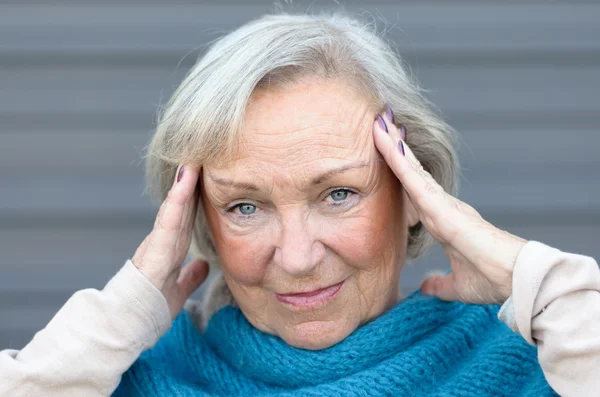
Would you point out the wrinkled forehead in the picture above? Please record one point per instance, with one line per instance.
(311, 122)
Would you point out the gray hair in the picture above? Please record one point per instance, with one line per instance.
(203, 117)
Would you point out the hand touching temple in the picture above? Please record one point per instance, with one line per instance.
(299, 161)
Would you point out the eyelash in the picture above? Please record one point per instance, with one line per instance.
(231, 209)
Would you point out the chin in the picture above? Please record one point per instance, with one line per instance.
(317, 335)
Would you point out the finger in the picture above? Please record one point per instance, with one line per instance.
(175, 196)
(423, 190)
(441, 287)
(402, 151)
(167, 227)
(187, 225)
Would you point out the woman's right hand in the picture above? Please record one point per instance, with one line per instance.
(160, 255)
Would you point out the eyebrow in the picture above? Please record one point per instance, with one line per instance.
(230, 183)
(316, 181)
(328, 174)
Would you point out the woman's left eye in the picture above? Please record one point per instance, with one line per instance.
(340, 194)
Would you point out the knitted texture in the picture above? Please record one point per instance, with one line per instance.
(421, 347)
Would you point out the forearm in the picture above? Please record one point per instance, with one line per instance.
(90, 342)
(556, 303)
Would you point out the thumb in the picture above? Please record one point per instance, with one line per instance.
(441, 287)
(192, 275)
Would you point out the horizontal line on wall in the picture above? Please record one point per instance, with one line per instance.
(33, 298)
(298, 6)
(556, 119)
(441, 57)
(270, 2)
(61, 220)
(76, 122)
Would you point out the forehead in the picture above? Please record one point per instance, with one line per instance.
(308, 125)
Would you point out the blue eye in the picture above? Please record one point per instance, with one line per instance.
(340, 194)
(245, 208)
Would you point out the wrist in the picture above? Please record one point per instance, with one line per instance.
(512, 248)
(155, 276)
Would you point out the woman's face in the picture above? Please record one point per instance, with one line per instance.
(309, 223)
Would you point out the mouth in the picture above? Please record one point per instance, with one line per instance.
(310, 298)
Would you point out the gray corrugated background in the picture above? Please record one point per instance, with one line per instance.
(80, 83)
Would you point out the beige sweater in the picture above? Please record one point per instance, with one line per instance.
(97, 335)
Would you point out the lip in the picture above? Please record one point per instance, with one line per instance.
(311, 298)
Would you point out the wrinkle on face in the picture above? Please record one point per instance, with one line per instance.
(290, 138)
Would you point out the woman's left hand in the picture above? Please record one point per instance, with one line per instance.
(482, 256)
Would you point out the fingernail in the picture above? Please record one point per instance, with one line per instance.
(389, 114)
(401, 147)
(180, 174)
(403, 132)
(382, 123)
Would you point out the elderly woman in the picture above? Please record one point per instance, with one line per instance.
(299, 159)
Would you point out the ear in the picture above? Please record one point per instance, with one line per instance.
(412, 215)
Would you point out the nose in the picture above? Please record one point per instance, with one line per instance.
(298, 252)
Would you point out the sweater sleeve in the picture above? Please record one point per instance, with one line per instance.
(91, 341)
(555, 306)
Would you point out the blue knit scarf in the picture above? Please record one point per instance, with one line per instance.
(420, 347)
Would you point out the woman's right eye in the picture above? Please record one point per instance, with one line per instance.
(243, 209)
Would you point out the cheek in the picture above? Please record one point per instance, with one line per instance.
(362, 242)
(243, 257)
(372, 237)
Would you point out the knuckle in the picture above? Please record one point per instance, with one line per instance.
(170, 195)
(430, 189)
(417, 164)
(159, 222)
(459, 205)
(462, 206)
